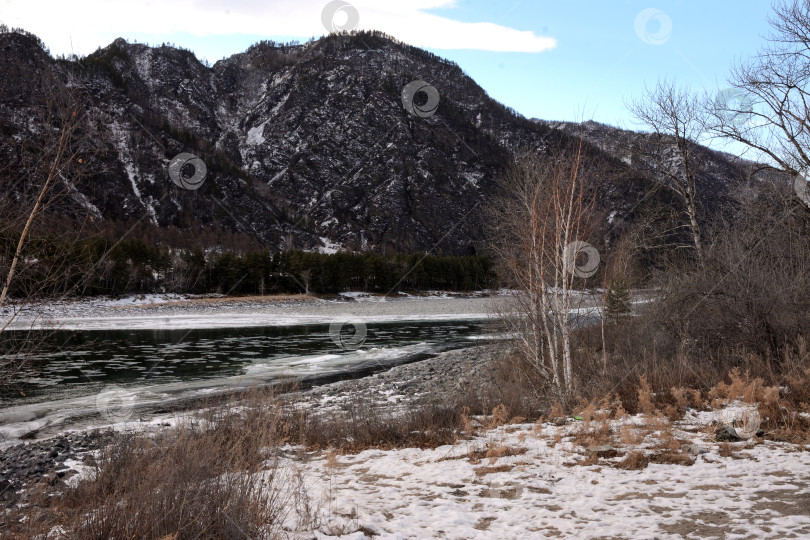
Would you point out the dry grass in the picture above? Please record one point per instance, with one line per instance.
(686, 397)
(655, 432)
(485, 470)
(595, 428)
(645, 396)
(726, 450)
(466, 421)
(671, 458)
(499, 417)
(364, 424)
(492, 452)
(634, 461)
(742, 387)
(631, 435)
(192, 481)
(648, 380)
(594, 434)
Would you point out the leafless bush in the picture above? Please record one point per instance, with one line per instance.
(179, 488)
(511, 382)
(198, 480)
(755, 290)
(747, 308)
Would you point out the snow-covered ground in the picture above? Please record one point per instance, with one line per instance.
(536, 481)
(147, 312)
(537, 489)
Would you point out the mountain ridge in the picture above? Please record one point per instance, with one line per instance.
(307, 145)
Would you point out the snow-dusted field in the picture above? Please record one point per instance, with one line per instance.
(528, 480)
(518, 480)
(538, 491)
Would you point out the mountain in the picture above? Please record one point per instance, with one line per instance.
(721, 172)
(311, 146)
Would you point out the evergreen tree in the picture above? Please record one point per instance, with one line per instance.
(617, 301)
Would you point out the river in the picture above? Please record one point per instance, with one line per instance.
(73, 370)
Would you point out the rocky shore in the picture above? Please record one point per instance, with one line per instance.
(49, 462)
(441, 376)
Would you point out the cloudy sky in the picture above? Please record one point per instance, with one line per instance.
(552, 59)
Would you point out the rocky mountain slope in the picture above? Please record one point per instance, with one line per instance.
(313, 146)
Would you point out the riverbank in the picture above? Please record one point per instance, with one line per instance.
(50, 461)
(184, 312)
(569, 476)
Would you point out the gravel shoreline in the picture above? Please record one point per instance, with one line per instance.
(441, 376)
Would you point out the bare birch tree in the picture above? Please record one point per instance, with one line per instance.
(44, 164)
(538, 223)
(671, 153)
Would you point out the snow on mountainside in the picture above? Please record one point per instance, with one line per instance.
(307, 146)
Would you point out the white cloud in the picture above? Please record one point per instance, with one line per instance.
(82, 26)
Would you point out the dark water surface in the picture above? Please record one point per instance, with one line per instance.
(75, 363)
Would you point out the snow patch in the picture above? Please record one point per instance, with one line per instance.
(255, 135)
(328, 246)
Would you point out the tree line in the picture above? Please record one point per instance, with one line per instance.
(98, 266)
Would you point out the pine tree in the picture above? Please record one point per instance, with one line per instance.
(617, 301)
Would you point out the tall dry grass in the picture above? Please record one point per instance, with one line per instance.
(193, 481)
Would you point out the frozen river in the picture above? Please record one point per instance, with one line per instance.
(75, 373)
